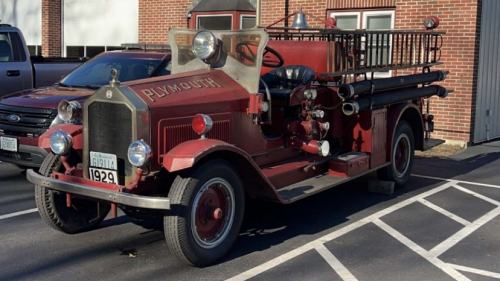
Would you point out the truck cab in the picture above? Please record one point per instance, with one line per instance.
(240, 116)
(20, 71)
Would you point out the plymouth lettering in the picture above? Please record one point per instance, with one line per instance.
(163, 91)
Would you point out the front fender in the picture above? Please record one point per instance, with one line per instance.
(186, 154)
(74, 130)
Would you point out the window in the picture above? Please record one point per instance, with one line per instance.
(35, 50)
(221, 22)
(11, 47)
(6, 54)
(380, 19)
(247, 22)
(89, 51)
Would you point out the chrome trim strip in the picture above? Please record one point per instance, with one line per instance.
(98, 193)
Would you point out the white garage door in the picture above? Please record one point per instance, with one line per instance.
(27, 16)
(93, 26)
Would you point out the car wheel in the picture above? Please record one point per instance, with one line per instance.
(207, 211)
(83, 214)
(403, 152)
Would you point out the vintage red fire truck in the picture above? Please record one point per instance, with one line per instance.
(275, 114)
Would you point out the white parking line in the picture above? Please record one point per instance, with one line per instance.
(464, 232)
(419, 250)
(475, 270)
(341, 270)
(458, 181)
(287, 256)
(444, 212)
(18, 213)
(494, 202)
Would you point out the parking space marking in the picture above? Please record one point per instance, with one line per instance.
(18, 213)
(464, 232)
(444, 212)
(320, 241)
(341, 270)
(480, 196)
(475, 270)
(458, 181)
(419, 250)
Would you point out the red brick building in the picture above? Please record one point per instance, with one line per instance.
(455, 115)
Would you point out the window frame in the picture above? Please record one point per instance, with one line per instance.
(363, 15)
(214, 16)
(246, 16)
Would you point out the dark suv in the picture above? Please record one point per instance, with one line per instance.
(26, 115)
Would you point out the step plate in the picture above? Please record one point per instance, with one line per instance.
(316, 184)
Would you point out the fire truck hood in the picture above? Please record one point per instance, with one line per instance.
(46, 97)
(195, 87)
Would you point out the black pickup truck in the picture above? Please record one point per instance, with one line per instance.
(20, 71)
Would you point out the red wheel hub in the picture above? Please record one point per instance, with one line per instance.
(210, 213)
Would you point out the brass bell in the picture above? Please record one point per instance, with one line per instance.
(299, 21)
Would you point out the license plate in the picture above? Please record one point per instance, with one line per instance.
(103, 167)
(103, 175)
(9, 144)
(103, 160)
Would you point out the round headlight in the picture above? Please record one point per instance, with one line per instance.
(204, 45)
(139, 153)
(67, 110)
(431, 22)
(60, 142)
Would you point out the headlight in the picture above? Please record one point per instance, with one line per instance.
(204, 45)
(68, 110)
(60, 142)
(139, 153)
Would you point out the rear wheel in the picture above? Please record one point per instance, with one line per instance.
(81, 216)
(403, 152)
(207, 211)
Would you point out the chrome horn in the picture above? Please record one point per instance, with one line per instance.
(299, 21)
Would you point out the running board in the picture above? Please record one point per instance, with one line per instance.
(430, 143)
(316, 184)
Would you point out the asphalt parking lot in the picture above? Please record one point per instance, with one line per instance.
(443, 226)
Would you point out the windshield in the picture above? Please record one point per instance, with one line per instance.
(97, 72)
(241, 52)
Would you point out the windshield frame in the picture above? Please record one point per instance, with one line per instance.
(247, 75)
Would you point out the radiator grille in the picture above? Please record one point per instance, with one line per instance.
(33, 121)
(110, 131)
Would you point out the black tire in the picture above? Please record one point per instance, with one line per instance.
(219, 178)
(82, 216)
(403, 136)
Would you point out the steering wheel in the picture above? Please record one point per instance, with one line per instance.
(243, 46)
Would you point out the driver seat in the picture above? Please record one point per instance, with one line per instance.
(283, 80)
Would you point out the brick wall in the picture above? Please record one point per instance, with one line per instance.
(51, 28)
(157, 16)
(454, 116)
(459, 19)
(272, 11)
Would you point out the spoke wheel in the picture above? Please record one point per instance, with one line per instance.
(403, 152)
(207, 211)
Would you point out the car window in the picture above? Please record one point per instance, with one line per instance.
(6, 54)
(97, 71)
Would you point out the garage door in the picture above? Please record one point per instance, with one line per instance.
(93, 26)
(27, 16)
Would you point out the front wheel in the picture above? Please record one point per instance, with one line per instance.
(403, 152)
(207, 211)
(81, 216)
